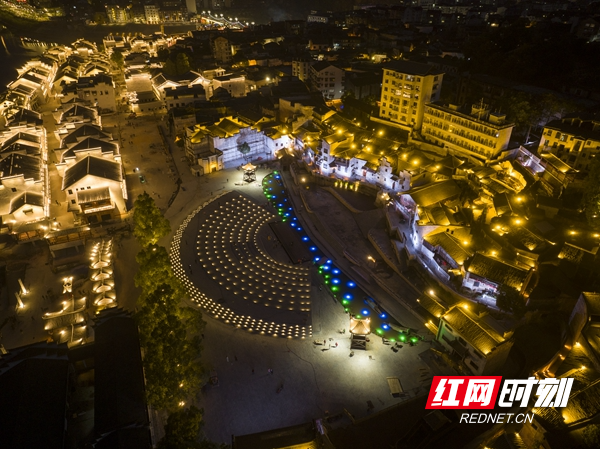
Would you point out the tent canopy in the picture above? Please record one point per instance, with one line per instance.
(360, 326)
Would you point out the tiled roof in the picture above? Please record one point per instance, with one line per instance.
(31, 198)
(412, 68)
(497, 271)
(18, 164)
(434, 193)
(473, 329)
(101, 168)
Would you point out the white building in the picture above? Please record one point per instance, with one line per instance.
(327, 79)
(227, 137)
(24, 188)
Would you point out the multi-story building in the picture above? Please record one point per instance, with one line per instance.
(406, 88)
(327, 79)
(173, 11)
(152, 13)
(222, 50)
(575, 139)
(117, 14)
(98, 91)
(478, 341)
(301, 68)
(476, 133)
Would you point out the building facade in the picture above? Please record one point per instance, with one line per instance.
(481, 134)
(575, 139)
(406, 88)
(327, 79)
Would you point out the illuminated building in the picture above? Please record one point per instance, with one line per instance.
(574, 139)
(477, 340)
(406, 88)
(478, 133)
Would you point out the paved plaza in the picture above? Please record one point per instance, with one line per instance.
(235, 270)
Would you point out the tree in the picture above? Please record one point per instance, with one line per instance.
(117, 58)
(149, 223)
(155, 270)
(171, 366)
(510, 300)
(169, 67)
(244, 148)
(182, 64)
(182, 429)
(591, 194)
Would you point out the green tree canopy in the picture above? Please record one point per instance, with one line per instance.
(169, 67)
(155, 269)
(149, 223)
(510, 300)
(173, 373)
(117, 58)
(244, 148)
(182, 429)
(182, 63)
(591, 194)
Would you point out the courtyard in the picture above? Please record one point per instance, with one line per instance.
(242, 276)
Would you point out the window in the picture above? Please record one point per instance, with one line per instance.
(70, 192)
(13, 189)
(473, 365)
(435, 78)
(72, 201)
(448, 327)
(462, 341)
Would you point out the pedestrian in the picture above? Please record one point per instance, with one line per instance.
(235, 357)
(336, 344)
(227, 179)
(227, 359)
(324, 342)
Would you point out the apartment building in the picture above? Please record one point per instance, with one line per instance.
(475, 133)
(574, 139)
(328, 79)
(406, 88)
(301, 68)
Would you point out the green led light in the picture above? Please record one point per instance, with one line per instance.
(334, 289)
(344, 302)
(346, 309)
(379, 331)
